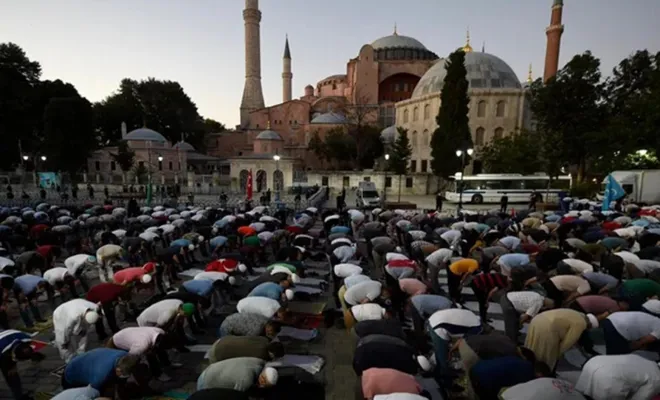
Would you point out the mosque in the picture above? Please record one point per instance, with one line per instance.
(394, 81)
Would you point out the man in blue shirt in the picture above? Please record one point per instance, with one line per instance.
(15, 346)
(27, 289)
(272, 290)
(507, 262)
(106, 370)
(489, 377)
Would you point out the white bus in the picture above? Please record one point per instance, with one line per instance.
(489, 188)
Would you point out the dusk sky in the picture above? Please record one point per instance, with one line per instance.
(199, 43)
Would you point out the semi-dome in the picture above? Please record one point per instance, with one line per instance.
(269, 135)
(329, 118)
(484, 71)
(145, 135)
(184, 146)
(397, 41)
(388, 135)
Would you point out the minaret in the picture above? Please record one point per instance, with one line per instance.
(553, 32)
(253, 97)
(287, 76)
(467, 48)
(530, 77)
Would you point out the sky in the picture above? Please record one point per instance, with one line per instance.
(93, 44)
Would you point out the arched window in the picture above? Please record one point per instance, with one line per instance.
(415, 114)
(481, 109)
(479, 136)
(498, 133)
(427, 111)
(501, 109)
(413, 141)
(405, 116)
(425, 137)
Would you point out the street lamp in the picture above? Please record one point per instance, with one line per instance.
(463, 154)
(160, 158)
(43, 158)
(277, 158)
(387, 158)
(25, 158)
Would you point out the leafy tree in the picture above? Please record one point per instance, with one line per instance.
(125, 157)
(213, 126)
(68, 130)
(340, 148)
(400, 155)
(318, 146)
(140, 172)
(516, 153)
(14, 58)
(569, 107)
(453, 132)
(369, 147)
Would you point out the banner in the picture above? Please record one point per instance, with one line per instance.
(613, 192)
(248, 187)
(49, 180)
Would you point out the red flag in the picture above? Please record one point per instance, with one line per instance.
(249, 186)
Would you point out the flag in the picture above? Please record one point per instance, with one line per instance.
(249, 186)
(613, 192)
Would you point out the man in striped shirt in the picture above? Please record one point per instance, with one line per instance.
(484, 287)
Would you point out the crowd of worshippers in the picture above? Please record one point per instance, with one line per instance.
(562, 276)
(47, 253)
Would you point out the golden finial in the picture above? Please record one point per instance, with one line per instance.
(268, 125)
(395, 32)
(467, 48)
(529, 75)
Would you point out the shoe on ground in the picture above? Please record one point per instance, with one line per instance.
(164, 378)
(176, 365)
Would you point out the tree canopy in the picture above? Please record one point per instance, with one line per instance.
(518, 152)
(400, 153)
(453, 132)
(345, 151)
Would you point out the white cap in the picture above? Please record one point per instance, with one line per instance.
(424, 363)
(383, 312)
(593, 321)
(271, 375)
(652, 306)
(295, 278)
(91, 317)
(191, 247)
(232, 280)
(146, 278)
(289, 294)
(200, 238)
(302, 249)
(398, 249)
(242, 267)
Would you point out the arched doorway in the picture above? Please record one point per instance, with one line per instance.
(242, 180)
(278, 180)
(262, 181)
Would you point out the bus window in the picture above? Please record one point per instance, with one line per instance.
(563, 184)
(535, 184)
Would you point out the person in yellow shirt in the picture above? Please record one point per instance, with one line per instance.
(458, 274)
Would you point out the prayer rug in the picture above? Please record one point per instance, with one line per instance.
(298, 334)
(304, 307)
(190, 273)
(169, 396)
(59, 371)
(310, 363)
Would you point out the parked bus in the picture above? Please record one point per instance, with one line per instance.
(489, 188)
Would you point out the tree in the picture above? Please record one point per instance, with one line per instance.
(516, 153)
(369, 147)
(125, 157)
(569, 107)
(318, 146)
(339, 147)
(69, 133)
(12, 57)
(213, 126)
(400, 155)
(453, 132)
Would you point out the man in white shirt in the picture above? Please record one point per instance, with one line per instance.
(452, 237)
(168, 315)
(60, 279)
(619, 377)
(364, 292)
(519, 308)
(628, 331)
(563, 289)
(150, 342)
(77, 265)
(71, 323)
(264, 306)
(574, 266)
(105, 256)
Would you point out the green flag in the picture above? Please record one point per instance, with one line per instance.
(149, 193)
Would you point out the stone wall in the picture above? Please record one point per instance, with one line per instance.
(413, 184)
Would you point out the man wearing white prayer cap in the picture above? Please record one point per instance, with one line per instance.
(239, 374)
(71, 323)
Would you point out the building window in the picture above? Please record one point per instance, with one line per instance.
(425, 165)
(415, 114)
(388, 181)
(427, 111)
(386, 116)
(113, 166)
(498, 133)
(257, 125)
(97, 164)
(413, 165)
(179, 166)
(367, 179)
(413, 139)
(405, 116)
(409, 182)
(425, 137)
(171, 165)
(160, 165)
(481, 109)
(324, 181)
(334, 86)
(479, 137)
(501, 109)
(346, 181)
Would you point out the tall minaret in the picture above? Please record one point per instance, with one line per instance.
(286, 73)
(253, 97)
(553, 32)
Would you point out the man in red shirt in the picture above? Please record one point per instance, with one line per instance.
(226, 265)
(109, 295)
(50, 253)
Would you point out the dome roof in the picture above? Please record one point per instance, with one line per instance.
(184, 146)
(397, 41)
(145, 135)
(484, 71)
(269, 135)
(329, 118)
(388, 135)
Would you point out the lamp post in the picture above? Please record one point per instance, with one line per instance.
(463, 154)
(387, 159)
(277, 158)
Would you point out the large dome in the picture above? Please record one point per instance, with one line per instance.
(184, 146)
(484, 71)
(145, 135)
(397, 41)
(329, 118)
(269, 135)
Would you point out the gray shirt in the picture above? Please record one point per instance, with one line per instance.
(236, 374)
(494, 251)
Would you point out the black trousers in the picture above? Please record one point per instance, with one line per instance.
(454, 283)
(482, 299)
(511, 319)
(10, 373)
(109, 313)
(157, 359)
